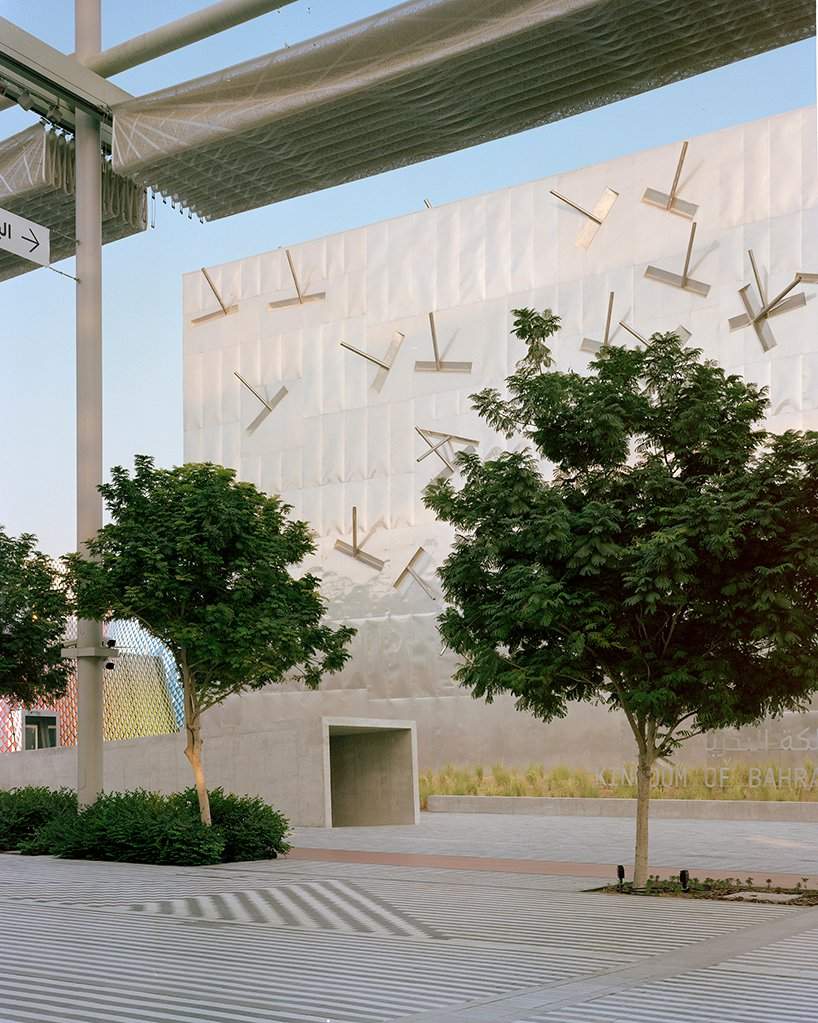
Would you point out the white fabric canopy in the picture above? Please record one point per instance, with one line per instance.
(37, 182)
(425, 78)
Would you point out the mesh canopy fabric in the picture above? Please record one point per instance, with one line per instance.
(37, 182)
(142, 695)
(419, 80)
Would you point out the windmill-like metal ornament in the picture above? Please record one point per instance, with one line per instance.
(757, 315)
(670, 201)
(268, 406)
(594, 347)
(681, 332)
(682, 280)
(409, 571)
(300, 296)
(385, 364)
(437, 442)
(355, 550)
(223, 310)
(437, 365)
(596, 216)
(633, 332)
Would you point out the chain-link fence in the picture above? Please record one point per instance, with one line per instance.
(142, 695)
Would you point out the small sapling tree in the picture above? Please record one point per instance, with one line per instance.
(666, 564)
(203, 562)
(34, 612)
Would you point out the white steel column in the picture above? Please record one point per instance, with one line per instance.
(88, 38)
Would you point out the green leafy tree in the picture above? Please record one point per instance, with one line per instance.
(204, 562)
(34, 612)
(666, 564)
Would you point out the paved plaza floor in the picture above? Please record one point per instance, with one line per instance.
(739, 846)
(306, 940)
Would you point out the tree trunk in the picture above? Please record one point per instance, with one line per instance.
(640, 862)
(193, 749)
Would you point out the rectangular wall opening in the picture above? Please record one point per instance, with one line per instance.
(372, 776)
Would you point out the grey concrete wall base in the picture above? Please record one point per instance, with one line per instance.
(667, 809)
(270, 744)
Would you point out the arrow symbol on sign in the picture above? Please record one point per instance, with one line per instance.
(23, 237)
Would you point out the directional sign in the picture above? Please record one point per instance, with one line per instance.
(25, 238)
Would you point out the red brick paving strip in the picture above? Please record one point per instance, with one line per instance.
(552, 867)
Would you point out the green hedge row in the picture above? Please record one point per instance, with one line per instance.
(141, 827)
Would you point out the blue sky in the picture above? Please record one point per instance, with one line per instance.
(142, 275)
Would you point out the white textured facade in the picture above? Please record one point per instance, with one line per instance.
(344, 435)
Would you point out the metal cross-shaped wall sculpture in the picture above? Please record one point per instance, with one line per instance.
(757, 316)
(355, 550)
(437, 442)
(223, 310)
(409, 570)
(384, 364)
(594, 347)
(268, 406)
(681, 332)
(595, 217)
(633, 332)
(437, 365)
(670, 201)
(300, 296)
(681, 280)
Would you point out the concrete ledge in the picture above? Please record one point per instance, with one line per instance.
(667, 809)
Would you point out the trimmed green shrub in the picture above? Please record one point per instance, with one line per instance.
(143, 827)
(24, 811)
(130, 827)
(252, 829)
(52, 836)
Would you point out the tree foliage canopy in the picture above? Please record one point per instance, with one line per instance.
(203, 562)
(653, 547)
(34, 612)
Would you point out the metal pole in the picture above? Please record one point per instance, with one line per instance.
(607, 333)
(676, 177)
(689, 253)
(433, 328)
(191, 28)
(87, 30)
(768, 307)
(202, 24)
